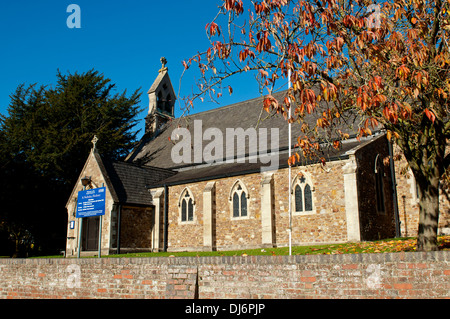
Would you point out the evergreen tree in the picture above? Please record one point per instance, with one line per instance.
(44, 142)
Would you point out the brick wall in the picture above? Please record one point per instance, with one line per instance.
(393, 275)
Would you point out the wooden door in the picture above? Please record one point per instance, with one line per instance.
(90, 233)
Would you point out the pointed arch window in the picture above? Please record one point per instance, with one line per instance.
(187, 205)
(168, 104)
(307, 197)
(239, 200)
(302, 193)
(298, 198)
(159, 101)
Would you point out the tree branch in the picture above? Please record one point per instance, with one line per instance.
(446, 162)
(435, 28)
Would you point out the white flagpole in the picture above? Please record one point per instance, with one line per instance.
(289, 171)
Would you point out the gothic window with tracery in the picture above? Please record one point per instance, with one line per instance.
(302, 193)
(186, 205)
(239, 198)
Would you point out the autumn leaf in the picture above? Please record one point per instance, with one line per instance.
(263, 73)
(430, 115)
(339, 44)
(270, 103)
(326, 96)
(213, 28)
(402, 72)
(264, 43)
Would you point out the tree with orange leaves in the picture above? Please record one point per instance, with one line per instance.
(388, 63)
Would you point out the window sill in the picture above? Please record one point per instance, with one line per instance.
(191, 222)
(240, 218)
(311, 212)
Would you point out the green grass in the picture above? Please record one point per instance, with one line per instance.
(379, 246)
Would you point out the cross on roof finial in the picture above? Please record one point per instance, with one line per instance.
(163, 62)
(94, 142)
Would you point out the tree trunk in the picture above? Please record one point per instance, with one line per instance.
(428, 215)
(16, 252)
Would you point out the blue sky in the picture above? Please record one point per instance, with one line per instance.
(124, 40)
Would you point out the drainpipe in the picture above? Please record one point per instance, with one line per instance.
(166, 216)
(394, 190)
(119, 219)
(289, 172)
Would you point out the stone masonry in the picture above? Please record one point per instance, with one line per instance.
(408, 202)
(267, 222)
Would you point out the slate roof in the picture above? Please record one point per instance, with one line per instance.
(130, 182)
(156, 151)
(208, 172)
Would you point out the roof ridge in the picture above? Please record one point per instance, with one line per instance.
(225, 107)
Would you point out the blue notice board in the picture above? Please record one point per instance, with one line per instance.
(91, 202)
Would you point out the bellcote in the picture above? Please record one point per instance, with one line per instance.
(162, 98)
(161, 94)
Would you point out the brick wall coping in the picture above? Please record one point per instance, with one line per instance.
(434, 256)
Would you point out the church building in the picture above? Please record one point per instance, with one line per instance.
(219, 180)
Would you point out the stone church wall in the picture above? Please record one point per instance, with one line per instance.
(135, 228)
(327, 221)
(231, 233)
(325, 224)
(267, 220)
(91, 169)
